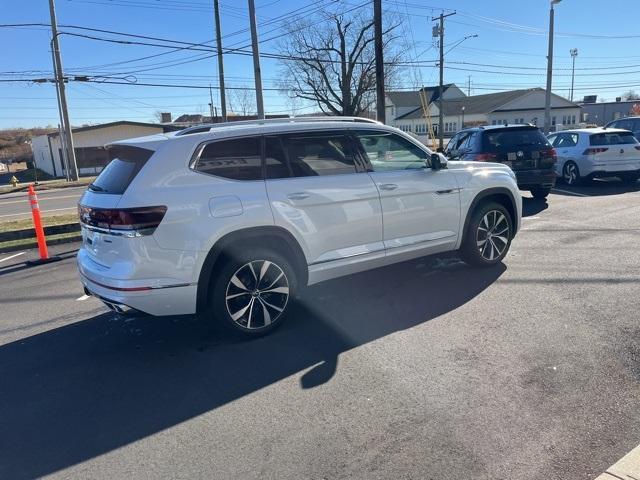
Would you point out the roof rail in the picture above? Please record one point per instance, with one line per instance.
(206, 127)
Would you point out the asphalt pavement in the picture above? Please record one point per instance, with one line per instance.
(14, 206)
(423, 370)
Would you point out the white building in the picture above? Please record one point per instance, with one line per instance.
(405, 110)
(89, 145)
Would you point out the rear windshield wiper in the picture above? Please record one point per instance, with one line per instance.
(96, 188)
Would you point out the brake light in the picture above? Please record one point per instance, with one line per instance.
(484, 157)
(550, 153)
(592, 150)
(136, 221)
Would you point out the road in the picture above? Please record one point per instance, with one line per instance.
(424, 370)
(14, 206)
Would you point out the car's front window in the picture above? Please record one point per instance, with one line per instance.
(388, 151)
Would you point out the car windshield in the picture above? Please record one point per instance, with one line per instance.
(514, 138)
(612, 138)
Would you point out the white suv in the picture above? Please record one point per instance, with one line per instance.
(233, 220)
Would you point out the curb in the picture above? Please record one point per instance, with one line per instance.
(34, 244)
(627, 468)
(31, 233)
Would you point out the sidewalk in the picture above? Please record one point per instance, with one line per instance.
(627, 468)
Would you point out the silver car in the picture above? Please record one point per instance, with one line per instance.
(596, 152)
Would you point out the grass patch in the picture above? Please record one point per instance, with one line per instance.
(24, 223)
(48, 185)
(26, 243)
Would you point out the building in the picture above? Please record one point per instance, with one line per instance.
(89, 145)
(404, 110)
(604, 112)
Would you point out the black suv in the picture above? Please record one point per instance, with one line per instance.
(522, 147)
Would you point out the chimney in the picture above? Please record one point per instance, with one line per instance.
(165, 117)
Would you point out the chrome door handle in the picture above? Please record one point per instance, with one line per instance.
(298, 195)
(388, 186)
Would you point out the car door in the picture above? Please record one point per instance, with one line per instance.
(420, 206)
(320, 193)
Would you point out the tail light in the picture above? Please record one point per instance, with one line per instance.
(127, 221)
(484, 157)
(549, 157)
(593, 150)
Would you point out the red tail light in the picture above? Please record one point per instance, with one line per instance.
(139, 220)
(592, 150)
(550, 153)
(484, 157)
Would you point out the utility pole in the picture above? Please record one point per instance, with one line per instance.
(63, 97)
(441, 89)
(574, 54)
(211, 103)
(223, 96)
(63, 150)
(377, 20)
(469, 87)
(256, 59)
(547, 99)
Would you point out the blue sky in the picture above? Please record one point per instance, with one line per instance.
(508, 53)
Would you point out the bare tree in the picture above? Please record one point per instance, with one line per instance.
(630, 95)
(331, 61)
(243, 102)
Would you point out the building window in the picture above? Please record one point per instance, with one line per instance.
(553, 120)
(573, 119)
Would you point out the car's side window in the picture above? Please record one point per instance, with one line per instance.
(275, 160)
(237, 159)
(451, 145)
(566, 140)
(389, 151)
(313, 154)
(553, 139)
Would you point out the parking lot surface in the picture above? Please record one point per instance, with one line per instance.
(424, 370)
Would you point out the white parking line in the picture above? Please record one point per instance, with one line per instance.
(82, 298)
(11, 256)
(570, 193)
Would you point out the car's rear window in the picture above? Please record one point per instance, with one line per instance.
(510, 139)
(612, 138)
(125, 163)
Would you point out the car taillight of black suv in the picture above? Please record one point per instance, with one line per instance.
(524, 148)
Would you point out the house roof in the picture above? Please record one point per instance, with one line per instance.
(165, 127)
(476, 104)
(412, 99)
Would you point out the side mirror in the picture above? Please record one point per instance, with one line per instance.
(438, 161)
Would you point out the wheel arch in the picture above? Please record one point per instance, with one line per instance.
(267, 236)
(501, 195)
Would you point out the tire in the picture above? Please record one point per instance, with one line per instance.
(252, 292)
(540, 192)
(629, 177)
(571, 173)
(477, 248)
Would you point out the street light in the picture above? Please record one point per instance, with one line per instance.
(547, 100)
(574, 53)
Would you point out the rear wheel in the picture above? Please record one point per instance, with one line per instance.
(540, 192)
(571, 173)
(252, 292)
(629, 177)
(488, 235)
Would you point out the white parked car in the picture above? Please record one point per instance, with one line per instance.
(232, 220)
(596, 152)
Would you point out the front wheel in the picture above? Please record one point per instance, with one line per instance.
(252, 292)
(540, 192)
(488, 235)
(571, 173)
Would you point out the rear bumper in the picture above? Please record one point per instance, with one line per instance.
(152, 296)
(611, 173)
(527, 179)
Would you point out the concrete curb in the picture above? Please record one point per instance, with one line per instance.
(34, 244)
(30, 232)
(627, 468)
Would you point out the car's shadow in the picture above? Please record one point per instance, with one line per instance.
(75, 392)
(533, 206)
(597, 187)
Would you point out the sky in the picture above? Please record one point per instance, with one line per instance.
(508, 53)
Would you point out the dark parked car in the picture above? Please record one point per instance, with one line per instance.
(522, 147)
(629, 123)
